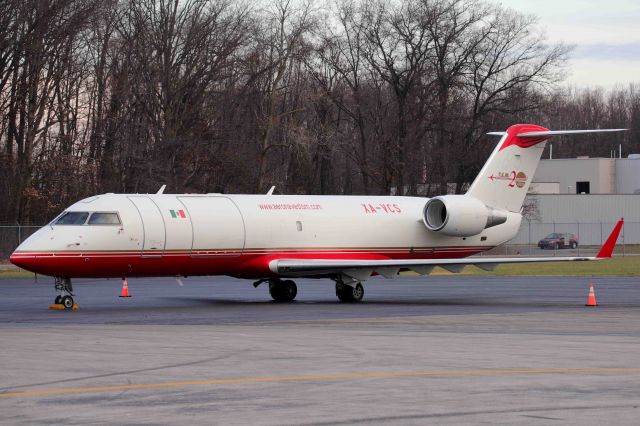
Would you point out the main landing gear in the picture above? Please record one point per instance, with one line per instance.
(63, 285)
(349, 291)
(282, 290)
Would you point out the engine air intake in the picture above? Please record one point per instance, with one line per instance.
(460, 215)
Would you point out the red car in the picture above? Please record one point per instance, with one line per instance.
(558, 241)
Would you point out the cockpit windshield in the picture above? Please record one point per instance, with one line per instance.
(100, 218)
(72, 218)
(95, 218)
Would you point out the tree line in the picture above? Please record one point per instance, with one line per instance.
(359, 97)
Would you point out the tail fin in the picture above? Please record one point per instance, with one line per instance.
(505, 178)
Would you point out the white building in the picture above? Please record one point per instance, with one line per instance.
(584, 175)
(584, 196)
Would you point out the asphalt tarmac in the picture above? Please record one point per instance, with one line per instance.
(446, 350)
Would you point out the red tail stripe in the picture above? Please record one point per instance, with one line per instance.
(523, 142)
(609, 245)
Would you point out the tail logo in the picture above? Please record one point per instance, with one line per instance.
(513, 178)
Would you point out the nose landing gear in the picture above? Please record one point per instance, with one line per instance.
(64, 301)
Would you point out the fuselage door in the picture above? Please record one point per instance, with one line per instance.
(153, 225)
(218, 226)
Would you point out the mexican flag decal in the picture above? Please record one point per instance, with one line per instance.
(177, 213)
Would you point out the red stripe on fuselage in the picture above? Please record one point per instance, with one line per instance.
(245, 264)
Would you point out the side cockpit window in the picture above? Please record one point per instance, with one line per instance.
(72, 218)
(99, 218)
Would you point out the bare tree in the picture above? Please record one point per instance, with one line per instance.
(205, 95)
(286, 27)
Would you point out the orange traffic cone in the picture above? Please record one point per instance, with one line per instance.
(591, 300)
(125, 289)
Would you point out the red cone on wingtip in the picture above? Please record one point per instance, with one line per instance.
(591, 299)
(125, 289)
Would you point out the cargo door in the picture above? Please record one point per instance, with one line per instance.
(218, 227)
(154, 233)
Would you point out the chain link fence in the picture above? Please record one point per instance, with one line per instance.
(12, 235)
(556, 239)
(589, 237)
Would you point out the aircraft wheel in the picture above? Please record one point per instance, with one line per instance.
(348, 294)
(58, 300)
(67, 302)
(283, 291)
(291, 290)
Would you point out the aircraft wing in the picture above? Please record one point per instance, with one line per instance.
(362, 269)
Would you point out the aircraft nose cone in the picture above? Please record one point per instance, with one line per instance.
(23, 261)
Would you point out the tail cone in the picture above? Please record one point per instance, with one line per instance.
(591, 300)
(125, 289)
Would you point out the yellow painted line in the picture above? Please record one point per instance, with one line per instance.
(319, 377)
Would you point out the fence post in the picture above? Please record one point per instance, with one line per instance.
(601, 233)
(624, 248)
(578, 238)
(555, 250)
(19, 235)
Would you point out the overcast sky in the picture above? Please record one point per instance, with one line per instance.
(606, 35)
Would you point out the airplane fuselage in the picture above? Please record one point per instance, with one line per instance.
(238, 235)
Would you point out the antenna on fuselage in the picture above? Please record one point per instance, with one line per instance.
(270, 191)
(161, 190)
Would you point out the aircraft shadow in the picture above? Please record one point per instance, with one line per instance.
(387, 302)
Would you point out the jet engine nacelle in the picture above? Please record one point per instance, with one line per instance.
(460, 215)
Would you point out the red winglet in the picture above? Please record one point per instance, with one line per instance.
(607, 247)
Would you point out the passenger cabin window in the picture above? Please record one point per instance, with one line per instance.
(72, 218)
(100, 218)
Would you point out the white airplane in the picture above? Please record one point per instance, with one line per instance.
(271, 238)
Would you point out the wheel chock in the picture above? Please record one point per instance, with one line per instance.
(60, 307)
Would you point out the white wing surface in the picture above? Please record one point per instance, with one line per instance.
(362, 269)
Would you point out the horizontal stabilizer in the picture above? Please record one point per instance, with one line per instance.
(550, 133)
(563, 132)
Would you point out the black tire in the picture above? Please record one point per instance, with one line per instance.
(67, 302)
(574, 245)
(357, 292)
(291, 290)
(58, 300)
(274, 291)
(556, 246)
(348, 294)
(283, 291)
